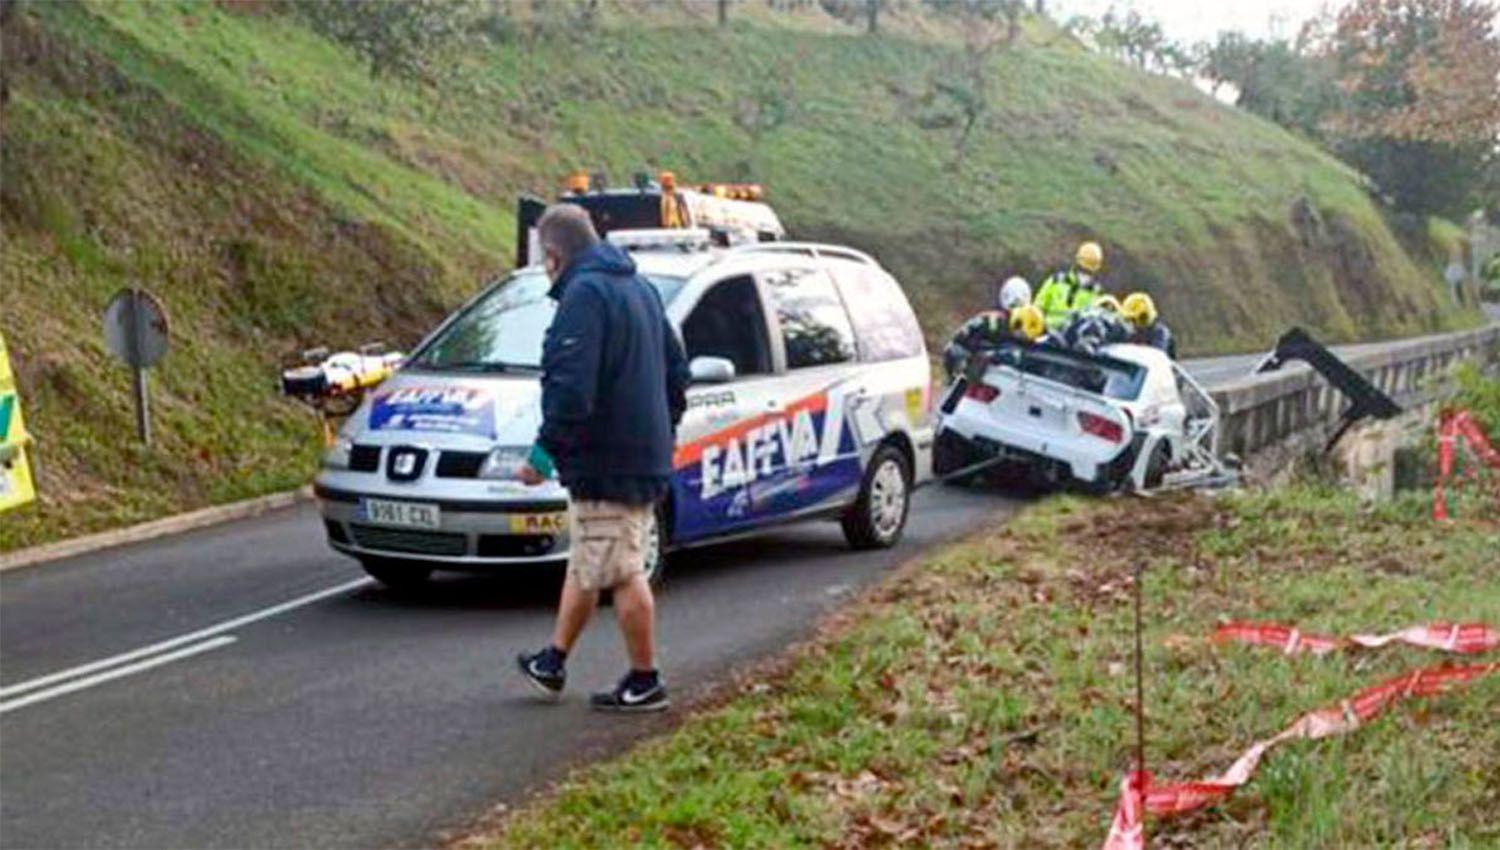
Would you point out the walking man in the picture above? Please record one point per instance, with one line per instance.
(614, 379)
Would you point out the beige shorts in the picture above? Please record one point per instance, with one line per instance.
(608, 542)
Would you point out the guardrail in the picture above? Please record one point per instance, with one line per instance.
(1265, 410)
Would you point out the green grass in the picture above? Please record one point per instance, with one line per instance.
(277, 196)
(982, 698)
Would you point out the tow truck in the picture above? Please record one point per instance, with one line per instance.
(729, 213)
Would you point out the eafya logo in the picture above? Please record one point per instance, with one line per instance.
(435, 399)
(764, 450)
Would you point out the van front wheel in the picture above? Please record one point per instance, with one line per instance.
(877, 518)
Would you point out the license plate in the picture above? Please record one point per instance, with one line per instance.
(405, 514)
(553, 523)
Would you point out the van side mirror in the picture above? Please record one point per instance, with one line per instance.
(711, 370)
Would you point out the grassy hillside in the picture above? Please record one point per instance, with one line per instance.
(276, 195)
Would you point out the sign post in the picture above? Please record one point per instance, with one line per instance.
(135, 329)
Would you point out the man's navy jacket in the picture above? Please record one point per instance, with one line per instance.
(614, 381)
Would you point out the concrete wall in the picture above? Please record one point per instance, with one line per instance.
(1294, 404)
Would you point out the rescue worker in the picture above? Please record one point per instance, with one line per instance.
(986, 330)
(1105, 303)
(1064, 293)
(1027, 323)
(1091, 329)
(1146, 325)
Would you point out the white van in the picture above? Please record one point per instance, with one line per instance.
(810, 398)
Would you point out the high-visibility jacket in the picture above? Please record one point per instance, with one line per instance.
(1061, 295)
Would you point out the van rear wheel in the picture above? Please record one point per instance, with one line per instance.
(654, 547)
(877, 518)
(396, 574)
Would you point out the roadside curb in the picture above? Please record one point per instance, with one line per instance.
(175, 524)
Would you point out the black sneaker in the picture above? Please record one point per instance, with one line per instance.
(544, 670)
(636, 692)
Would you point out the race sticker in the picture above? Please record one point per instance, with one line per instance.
(766, 466)
(456, 410)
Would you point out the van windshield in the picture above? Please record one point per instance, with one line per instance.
(502, 330)
(1106, 376)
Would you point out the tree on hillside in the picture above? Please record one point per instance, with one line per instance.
(1274, 79)
(1420, 105)
(979, 17)
(396, 37)
(853, 11)
(964, 82)
(1134, 39)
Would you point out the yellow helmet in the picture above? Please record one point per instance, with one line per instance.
(1107, 303)
(1139, 310)
(1027, 322)
(1090, 257)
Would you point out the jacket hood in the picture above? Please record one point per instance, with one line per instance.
(601, 258)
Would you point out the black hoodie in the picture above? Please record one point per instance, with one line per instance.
(614, 381)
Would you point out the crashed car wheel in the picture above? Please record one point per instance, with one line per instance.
(1156, 467)
(878, 517)
(396, 575)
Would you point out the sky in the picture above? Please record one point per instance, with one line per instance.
(1202, 20)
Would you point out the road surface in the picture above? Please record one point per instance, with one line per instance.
(243, 686)
(362, 718)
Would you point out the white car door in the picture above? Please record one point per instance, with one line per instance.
(827, 410)
(727, 441)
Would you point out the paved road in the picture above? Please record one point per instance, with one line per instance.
(361, 719)
(281, 700)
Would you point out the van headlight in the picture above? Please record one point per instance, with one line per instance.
(504, 463)
(337, 456)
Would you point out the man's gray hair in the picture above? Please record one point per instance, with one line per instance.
(567, 230)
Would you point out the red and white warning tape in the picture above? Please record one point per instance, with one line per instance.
(1456, 426)
(1139, 796)
(1463, 638)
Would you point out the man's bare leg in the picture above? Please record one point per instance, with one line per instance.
(636, 610)
(573, 612)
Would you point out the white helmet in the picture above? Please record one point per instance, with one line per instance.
(1014, 292)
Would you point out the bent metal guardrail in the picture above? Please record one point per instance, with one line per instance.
(1264, 410)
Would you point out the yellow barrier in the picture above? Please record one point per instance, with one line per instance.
(16, 487)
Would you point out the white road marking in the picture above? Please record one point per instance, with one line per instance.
(172, 643)
(116, 673)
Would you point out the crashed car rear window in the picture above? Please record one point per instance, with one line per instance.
(1106, 376)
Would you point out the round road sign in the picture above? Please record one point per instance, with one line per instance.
(135, 327)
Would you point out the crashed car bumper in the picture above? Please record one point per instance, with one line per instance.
(953, 452)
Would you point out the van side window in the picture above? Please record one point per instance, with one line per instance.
(814, 326)
(728, 322)
(883, 319)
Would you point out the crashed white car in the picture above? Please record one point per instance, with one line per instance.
(1126, 416)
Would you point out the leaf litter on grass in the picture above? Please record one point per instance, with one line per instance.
(981, 697)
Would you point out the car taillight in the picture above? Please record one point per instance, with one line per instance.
(982, 393)
(1106, 429)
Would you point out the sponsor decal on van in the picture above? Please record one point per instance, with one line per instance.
(770, 465)
(461, 410)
